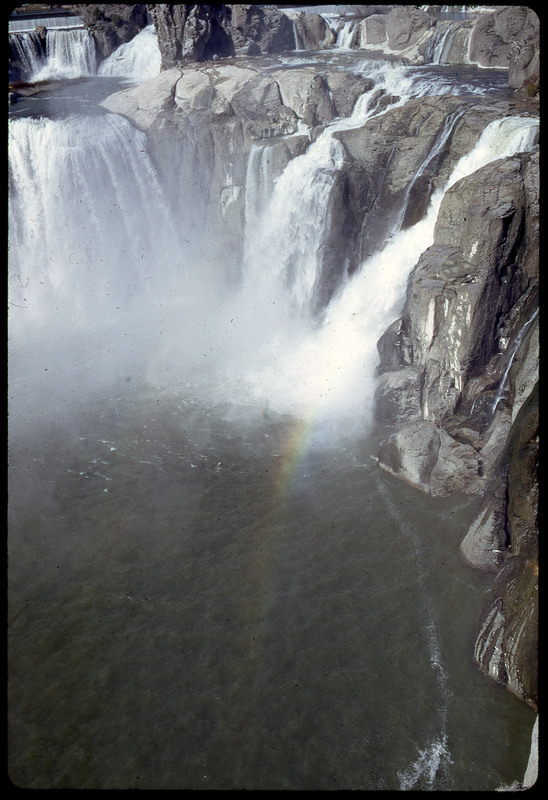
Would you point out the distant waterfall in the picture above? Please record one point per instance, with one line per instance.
(450, 44)
(139, 59)
(71, 53)
(67, 54)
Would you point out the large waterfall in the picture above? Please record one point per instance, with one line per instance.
(211, 583)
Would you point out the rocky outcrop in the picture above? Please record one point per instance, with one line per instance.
(202, 32)
(458, 385)
(397, 159)
(202, 121)
(470, 299)
(506, 646)
(311, 32)
(112, 24)
(508, 37)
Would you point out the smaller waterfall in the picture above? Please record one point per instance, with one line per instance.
(259, 184)
(346, 36)
(519, 339)
(138, 59)
(440, 42)
(67, 54)
(435, 150)
(288, 234)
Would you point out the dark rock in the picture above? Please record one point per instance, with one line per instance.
(507, 642)
(112, 24)
(201, 32)
(312, 32)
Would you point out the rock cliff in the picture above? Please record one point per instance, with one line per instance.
(458, 369)
(497, 36)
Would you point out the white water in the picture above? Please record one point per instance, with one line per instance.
(327, 373)
(71, 53)
(138, 59)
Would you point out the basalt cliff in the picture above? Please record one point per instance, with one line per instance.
(458, 370)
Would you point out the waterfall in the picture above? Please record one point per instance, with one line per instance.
(330, 373)
(138, 59)
(90, 279)
(346, 35)
(518, 340)
(70, 53)
(28, 52)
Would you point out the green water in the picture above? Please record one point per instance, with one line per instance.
(206, 597)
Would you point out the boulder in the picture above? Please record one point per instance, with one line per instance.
(508, 37)
(405, 26)
(425, 456)
(398, 396)
(307, 93)
(485, 542)
(312, 32)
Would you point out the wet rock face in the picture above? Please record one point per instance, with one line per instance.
(506, 646)
(112, 24)
(468, 297)
(458, 382)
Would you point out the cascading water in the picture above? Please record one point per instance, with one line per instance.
(70, 53)
(204, 592)
(138, 59)
(517, 343)
(325, 373)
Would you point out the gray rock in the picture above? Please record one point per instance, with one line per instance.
(312, 32)
(425, 456)
(202, 32)
(398, 395)
(112, 24)
(485, 542)
(507, 641)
